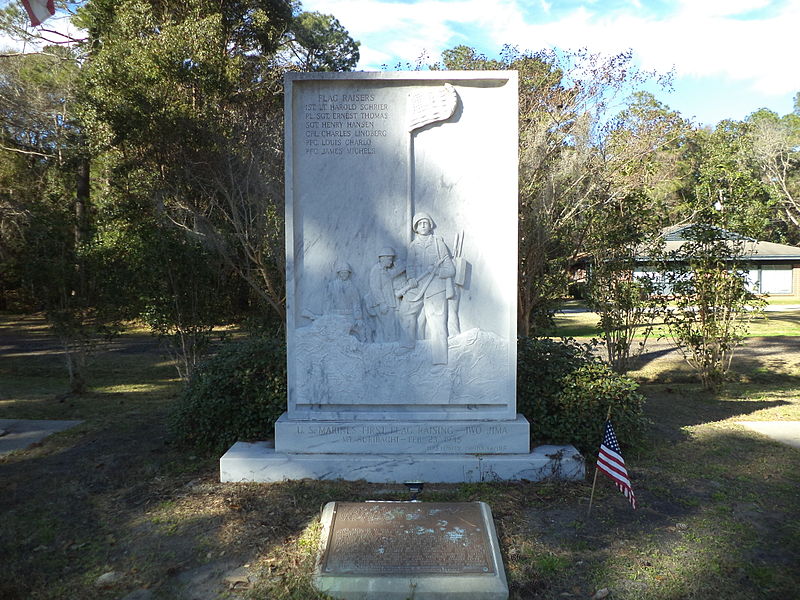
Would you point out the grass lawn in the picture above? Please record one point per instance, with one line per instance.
(583, 324)
(718, 505)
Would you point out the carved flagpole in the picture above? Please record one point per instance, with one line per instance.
(425, 107)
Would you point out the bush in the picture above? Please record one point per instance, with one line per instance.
(565, 392)
(236, 395)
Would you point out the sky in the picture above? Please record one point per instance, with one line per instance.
(729, 57)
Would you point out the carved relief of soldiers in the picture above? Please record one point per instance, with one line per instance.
(343, 300)
(429, 288)
(382, 301)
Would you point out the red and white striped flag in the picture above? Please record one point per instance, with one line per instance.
(39, 10)
(610, 462)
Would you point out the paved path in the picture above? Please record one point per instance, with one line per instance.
(17, 434)
(787, 432)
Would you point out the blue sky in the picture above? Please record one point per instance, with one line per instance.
(730, 57)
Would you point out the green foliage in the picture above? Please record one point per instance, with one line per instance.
(628, 306)
(728, 190)
(181, 292)
(236, 395)
(73, 284)
(566, 393)
(186, 101)
(568, 174)
(713, 303)
(774, 144)
(320, 43)
(587, 395)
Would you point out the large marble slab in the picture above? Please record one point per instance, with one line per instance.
(401, 285)
(365, 154)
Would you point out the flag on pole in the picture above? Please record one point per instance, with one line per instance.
(611, 463)
(39, 10)
(431, 105)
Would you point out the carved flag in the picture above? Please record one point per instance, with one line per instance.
(39, 10)
(431, 105)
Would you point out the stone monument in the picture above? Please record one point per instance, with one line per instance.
(401, 278)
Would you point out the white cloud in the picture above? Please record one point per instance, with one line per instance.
(706, 38)
(60, 24)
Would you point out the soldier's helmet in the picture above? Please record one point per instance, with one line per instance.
(418, 217)
(387, 251)
(342, 266)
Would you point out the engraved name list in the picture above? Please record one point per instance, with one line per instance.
(344, 124)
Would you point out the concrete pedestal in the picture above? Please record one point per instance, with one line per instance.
(259, 462)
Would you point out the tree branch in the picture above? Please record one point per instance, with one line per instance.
(26, 152)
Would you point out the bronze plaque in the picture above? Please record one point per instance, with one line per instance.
(407, 538)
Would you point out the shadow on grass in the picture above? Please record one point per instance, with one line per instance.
(672, 408)
(716, 517)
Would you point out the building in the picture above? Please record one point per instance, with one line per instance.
(773, 269)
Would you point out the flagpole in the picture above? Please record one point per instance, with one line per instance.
(426, 106)
(594, 483)
(410, 189)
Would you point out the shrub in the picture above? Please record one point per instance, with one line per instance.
(541, 365)
(236, 395)
(583, 404)
(565, 392)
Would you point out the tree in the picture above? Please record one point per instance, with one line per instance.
(565, 100)
(183, 294)
(640, 158)
(776, 148)
(727, 187)
(189, 99)
(320, 43)
(628, 305)
(712, 302)
(47, 253)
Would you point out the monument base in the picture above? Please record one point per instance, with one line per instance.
(259, 462)
(402, 436)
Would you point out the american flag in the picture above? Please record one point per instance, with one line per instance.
(39, 10)
(610, 462)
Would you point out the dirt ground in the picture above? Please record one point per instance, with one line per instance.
(111, 510)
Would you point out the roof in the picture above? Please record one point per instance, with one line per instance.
(676, 236)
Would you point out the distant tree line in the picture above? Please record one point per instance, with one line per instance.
(141, 167)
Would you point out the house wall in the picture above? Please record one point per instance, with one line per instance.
(796, 280)
(754, 274)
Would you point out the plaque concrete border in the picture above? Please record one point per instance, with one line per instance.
(419, 586)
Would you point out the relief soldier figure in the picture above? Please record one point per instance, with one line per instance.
(430, 271)
(382, 301)
(343, 300)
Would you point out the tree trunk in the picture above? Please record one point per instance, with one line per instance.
(82, 201)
